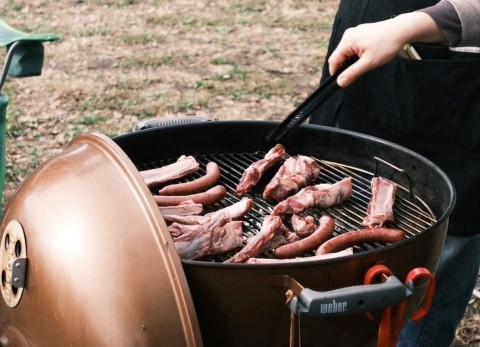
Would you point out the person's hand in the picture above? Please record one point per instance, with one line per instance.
(372, 43)
(377, 43)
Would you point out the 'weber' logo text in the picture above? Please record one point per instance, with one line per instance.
(333, 307)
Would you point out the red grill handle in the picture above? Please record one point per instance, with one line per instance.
(392, 320)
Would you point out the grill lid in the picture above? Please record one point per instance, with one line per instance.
(101, 268)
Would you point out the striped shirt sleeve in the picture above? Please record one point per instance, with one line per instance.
(459, 20)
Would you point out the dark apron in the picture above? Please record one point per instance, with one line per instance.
(431, 106)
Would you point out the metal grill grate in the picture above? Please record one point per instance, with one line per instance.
(411, 214)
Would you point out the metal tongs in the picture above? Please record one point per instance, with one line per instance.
(310, 104)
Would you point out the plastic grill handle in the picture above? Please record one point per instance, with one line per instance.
(350, 300)
(169, 121)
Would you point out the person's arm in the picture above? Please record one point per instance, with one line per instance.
(468, 12)
(377, 43)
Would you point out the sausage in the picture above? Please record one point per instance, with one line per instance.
(209, 197)
(211, 177)
(356, 237)
(309, 243)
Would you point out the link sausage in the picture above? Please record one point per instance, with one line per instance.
(356, 237)
(209, 197)
(309, 243)
(210, 178)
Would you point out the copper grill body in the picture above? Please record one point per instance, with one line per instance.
(103, 271)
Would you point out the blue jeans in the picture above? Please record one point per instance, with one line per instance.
(456, 277)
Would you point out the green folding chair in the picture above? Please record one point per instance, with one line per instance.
(24, 58)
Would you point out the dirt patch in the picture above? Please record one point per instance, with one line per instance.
(120, 62)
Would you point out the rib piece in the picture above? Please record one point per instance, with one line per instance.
(187, 208)
(185, 165)
(321, 196)
(380, 207)
(218, 236)
(252, 175)
(295, 173)
(235, 211)
(282, 236)
(254, 246)
(177, 229)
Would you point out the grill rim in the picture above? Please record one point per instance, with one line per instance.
(194, 129)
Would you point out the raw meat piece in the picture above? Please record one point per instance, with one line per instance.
(303, 226)
(215, 237)
(182, 167)
(252, 175)
(380, 207)
(321, 196)
(282, 236)
(178, 229)
(187, 208)
(235, 211)
(254, 246)
(295, 173)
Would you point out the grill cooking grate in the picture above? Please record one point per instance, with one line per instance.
(411, 214)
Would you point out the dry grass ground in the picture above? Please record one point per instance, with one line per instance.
(122, 61)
